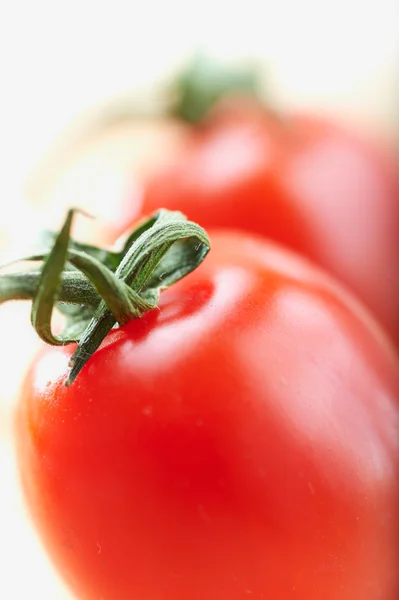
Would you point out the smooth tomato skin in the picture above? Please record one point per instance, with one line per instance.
(240, 442)
(304, 182)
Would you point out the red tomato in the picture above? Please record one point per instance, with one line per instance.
(240, 442)
(303, 182)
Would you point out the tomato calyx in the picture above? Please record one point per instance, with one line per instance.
(205, 81)
(96, 289)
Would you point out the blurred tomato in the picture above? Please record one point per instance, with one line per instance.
(302, 181)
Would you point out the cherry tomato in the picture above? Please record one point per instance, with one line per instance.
(303, 182)
(240, 442)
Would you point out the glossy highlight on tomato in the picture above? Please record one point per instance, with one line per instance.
(300, 180)
(239, 442)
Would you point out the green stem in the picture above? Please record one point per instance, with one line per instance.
(24, 286)
(100, 289)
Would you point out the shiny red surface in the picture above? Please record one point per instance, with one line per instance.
(304, 182)
(240, 442)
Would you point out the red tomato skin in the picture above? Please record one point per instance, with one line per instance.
(240, 442)
(304, 182)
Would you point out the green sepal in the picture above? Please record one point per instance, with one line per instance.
(207, 80)
(147, 268)
(96, 289)
(48, 286)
